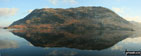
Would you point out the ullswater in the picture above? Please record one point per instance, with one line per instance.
(50, 42)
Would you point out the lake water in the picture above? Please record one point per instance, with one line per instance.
(49, 42)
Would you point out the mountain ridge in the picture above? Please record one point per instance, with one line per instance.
(73, 18)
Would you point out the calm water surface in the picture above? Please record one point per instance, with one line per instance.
(47, 42)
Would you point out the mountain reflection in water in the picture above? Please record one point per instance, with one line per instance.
(50, 42)
(88, 40)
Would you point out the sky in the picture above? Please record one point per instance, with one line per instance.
(13, 10)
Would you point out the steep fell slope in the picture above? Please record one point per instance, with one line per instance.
(73, 18)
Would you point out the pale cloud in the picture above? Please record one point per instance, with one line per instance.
(4, 12)
(70, 1)
(118, 10)
(117, 47)
(136, 40)
(124, 12)
(55, 2)
(29, 11)
(133, 18)
(8, 44)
